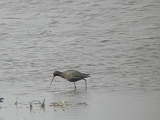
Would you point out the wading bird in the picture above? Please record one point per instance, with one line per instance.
(71, 76)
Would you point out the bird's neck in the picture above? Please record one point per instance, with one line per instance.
(61, 75)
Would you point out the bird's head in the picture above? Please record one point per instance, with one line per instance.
(56, 73)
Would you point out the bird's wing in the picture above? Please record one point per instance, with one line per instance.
(74, 74)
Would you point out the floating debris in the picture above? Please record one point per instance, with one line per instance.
(62, 104)
(1, 99)
(36, 102)
(82, 103)
(55, 104)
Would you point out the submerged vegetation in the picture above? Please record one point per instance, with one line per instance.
(36, 103)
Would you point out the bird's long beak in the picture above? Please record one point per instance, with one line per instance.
(52, 80)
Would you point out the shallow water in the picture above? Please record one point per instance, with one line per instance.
(116, 42)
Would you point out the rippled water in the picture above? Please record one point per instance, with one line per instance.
(116, 42)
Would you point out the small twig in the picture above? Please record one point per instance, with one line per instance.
(43, 104)
(30, 105)
(16, 101)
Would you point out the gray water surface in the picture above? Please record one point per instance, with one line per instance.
(116, 42)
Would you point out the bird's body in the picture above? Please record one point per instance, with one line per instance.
(71, 76)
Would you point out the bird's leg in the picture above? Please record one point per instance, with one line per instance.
(74, 85)
(85, 83)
